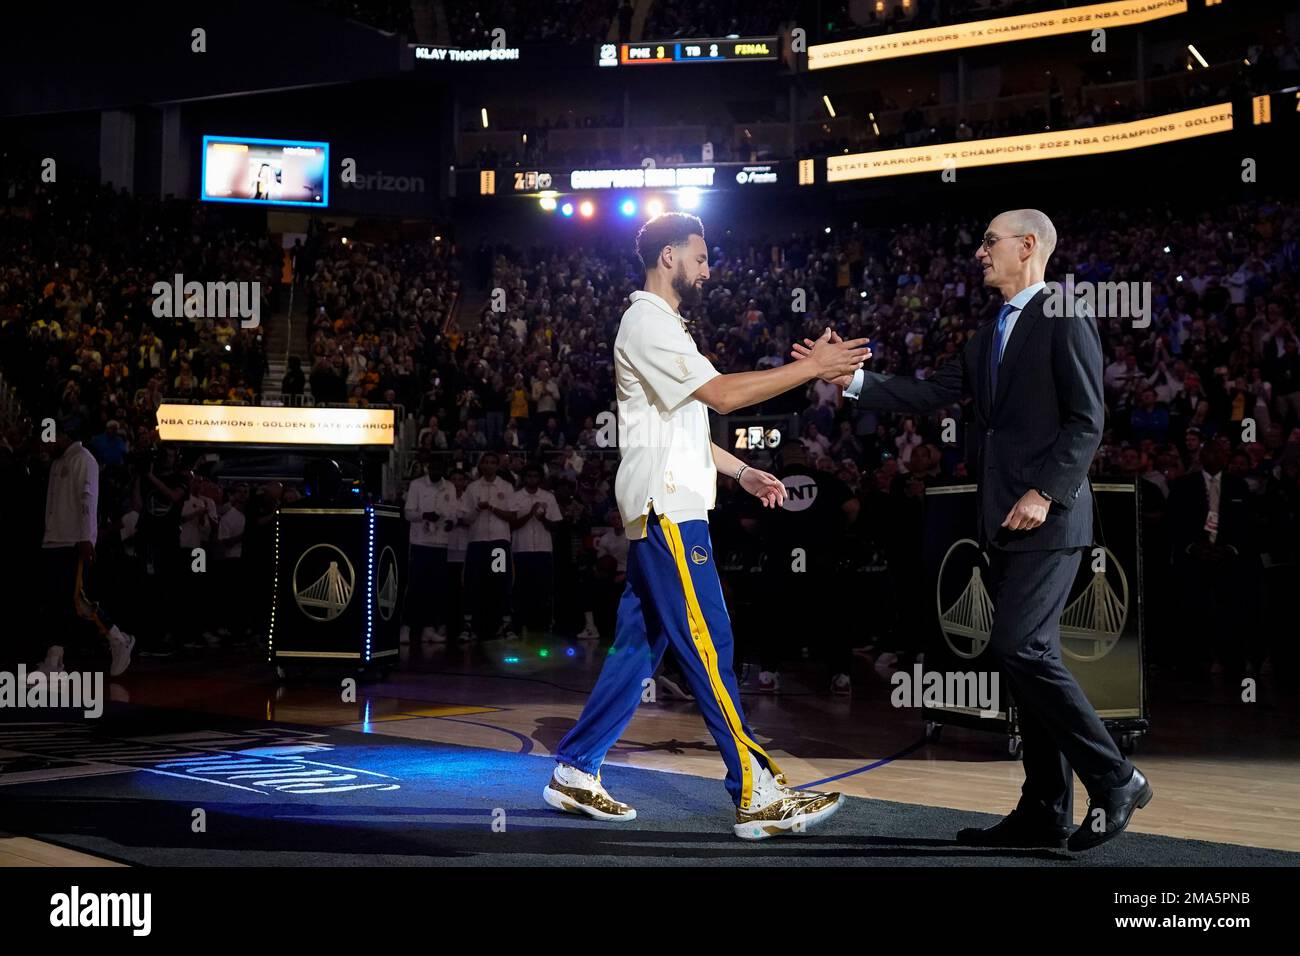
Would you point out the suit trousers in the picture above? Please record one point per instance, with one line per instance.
(1059, 729)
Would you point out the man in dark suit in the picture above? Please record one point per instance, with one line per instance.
(1210, 529)
(1036, 382)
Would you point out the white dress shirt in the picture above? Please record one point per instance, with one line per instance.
(484, 525)
(458, 536)
(198, 517)
(663, 436)
(72, 499)
(423, 496)
(1017, 303)
(533, 535)
(231, 525)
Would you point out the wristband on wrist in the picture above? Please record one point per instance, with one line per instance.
(741, 472)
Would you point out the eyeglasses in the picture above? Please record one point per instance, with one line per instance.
(990, 240)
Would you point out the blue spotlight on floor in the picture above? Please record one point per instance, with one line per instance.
(566, 210)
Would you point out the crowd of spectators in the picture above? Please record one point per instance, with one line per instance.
(1211, 385)
(83, 348)
(1216, 366)
(376, 318)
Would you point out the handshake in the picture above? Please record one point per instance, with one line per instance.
(835, 359)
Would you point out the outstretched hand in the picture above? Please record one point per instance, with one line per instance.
(808, 349)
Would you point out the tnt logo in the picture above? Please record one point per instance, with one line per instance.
(800, 492)
(699, 555)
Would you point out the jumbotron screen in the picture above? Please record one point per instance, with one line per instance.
(276, 172)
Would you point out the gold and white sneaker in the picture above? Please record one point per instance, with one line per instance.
(776, 810)
(574, 791)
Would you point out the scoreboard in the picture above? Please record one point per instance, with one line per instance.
(730, 50)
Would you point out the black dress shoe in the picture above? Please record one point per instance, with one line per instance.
(1117, 807)
(1016, 830)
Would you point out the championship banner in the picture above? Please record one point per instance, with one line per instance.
(1114, 138)
(1101, 626)
(960, 36)
(265, 425)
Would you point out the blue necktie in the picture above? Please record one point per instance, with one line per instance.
(995, 354)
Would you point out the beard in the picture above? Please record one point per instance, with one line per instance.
(688, 292)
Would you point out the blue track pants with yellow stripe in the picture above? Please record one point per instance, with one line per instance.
(673, 595)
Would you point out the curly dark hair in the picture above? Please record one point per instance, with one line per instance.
(667, 229)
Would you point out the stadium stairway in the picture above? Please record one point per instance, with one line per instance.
(275, 340)
(470, 308)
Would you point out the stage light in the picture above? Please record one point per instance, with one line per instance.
(569, 651)
(437, 238)
(547, 203)
(543, 653)
(483, 115)
(370, 581)
(825, 99)
(1197, 53)
(587, 208)
(512, 660)
(655, 208)
(1166, 248)
(275, 592)
(688, 198)
(566, 209)
(628, 208)
(828, 230)
(344, 240)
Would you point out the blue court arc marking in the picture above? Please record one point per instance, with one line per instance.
(911, 748)
(526, 744)
(525, 741)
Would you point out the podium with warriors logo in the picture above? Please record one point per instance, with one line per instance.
(340, 573)
(1101, 626)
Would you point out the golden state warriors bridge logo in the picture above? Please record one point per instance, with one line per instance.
(1091, 624)
(323, 582)
(699, 555)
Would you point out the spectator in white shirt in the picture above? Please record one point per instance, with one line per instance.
(814, 442)
(68, 553)
(537, 514)
(613, 544)
(906, 442)
(457, 542)
(546, 392)
(487, 513)
(433, 510)
(232, 580)
(198, 523)
(437, 439)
